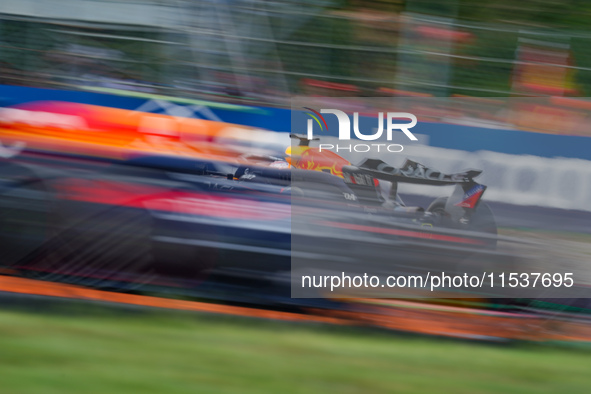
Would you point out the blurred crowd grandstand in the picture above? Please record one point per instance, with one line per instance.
(264, 52)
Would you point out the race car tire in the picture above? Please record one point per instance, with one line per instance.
(25, 206)
(482, 219)
(103, 249)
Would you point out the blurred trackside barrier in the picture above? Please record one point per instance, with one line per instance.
(452, 128)
(552, 115)
(520, 167)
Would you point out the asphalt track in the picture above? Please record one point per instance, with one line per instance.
(540, 218)
(531, 217)
(403, 316)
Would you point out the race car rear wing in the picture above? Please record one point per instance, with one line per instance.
(464, 198)
(411, 172)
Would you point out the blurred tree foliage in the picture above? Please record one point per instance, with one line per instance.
(570, 14)
(348, 41)
(496, 26)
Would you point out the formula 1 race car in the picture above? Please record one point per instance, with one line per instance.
(373, 184)
(161, 218)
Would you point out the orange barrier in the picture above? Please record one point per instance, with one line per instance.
(41, 288)
(464, 322)
(396, 315)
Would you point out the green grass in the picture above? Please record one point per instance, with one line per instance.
(180, 353)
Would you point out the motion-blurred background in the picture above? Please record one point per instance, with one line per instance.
(508, 83)
(267, 51)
